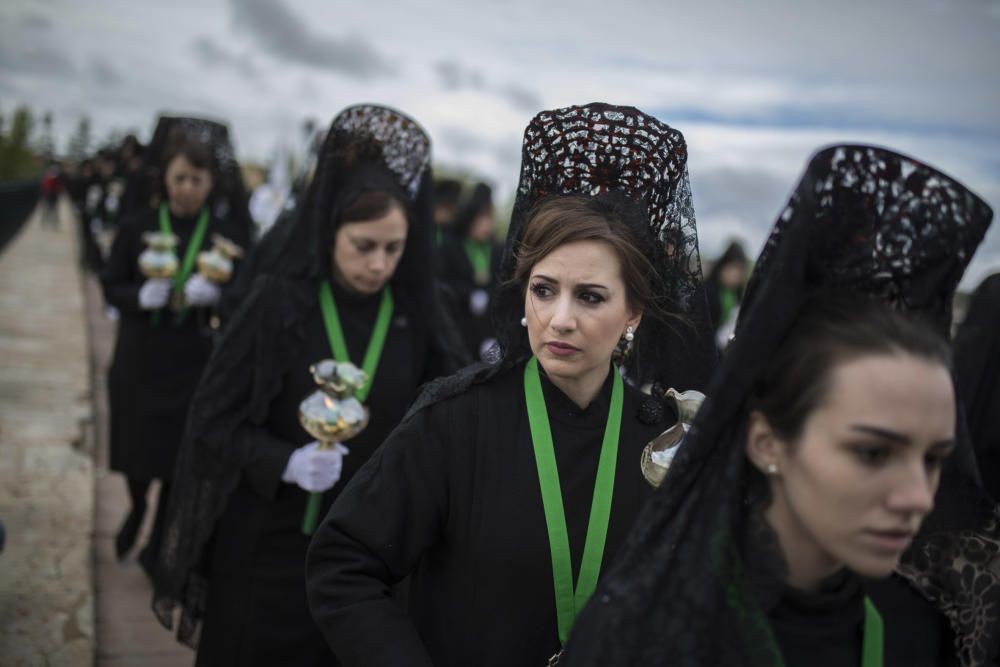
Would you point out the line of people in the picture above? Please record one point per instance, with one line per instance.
(824, 506)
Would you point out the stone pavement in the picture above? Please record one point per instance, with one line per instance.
(46, 469)
(61, 588)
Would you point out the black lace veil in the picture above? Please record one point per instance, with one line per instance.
(369, 147)
(229, 195)
(639, 165)
(699, 565)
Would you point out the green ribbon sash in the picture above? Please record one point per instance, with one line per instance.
(338, 344)
(872, 645)
(480, 257)
(190, 253)
(570, 600)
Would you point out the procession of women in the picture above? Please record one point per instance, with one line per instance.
(391, 428)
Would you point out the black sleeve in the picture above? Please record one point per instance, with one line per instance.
(390, 514)
(268, 455)
(120, 279)
(453, 271)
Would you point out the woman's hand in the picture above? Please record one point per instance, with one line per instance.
(314, 469)
(199, 291)
(154, 293)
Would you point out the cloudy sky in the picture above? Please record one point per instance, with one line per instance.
(754, 86)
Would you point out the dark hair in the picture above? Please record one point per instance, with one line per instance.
(833, 328)
(556, 221)
(370, 205)
(198, 153)
(447, 192)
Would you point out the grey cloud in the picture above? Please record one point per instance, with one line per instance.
(731, 202)
(211, 54)
(505, 153)
(286, 36)
(521, 97)
(454, 76)
(508, 154)
(460, 138)
(36, 22)
(41, 61)
(104, 73)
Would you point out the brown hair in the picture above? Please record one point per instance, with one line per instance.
(556, 221)
(371, 205)
(198, 153)
(831, 329)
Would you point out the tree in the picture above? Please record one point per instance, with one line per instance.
(16, 157)
(78, 148)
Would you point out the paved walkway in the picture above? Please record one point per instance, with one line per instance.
(65, 600)
(46, 469)
(127, 631)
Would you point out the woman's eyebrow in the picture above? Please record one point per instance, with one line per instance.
(880, 432)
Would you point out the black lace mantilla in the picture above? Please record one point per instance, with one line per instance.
(599, 148)
(884, 224)
(406, 148)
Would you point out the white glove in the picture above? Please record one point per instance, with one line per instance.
(154, 293)
(479, 301)
(314, 469)
(199, 291)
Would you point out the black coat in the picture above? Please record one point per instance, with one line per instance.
(458, 275)
(256, 608)
(155, 368)
(826, 628)
(452, 499)
(977, 373)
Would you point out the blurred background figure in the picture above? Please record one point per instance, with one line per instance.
(270, 198)
(469, 262)
(52, 187)
(977, 372)
(724, 285)
(447, 192)
(166, 329)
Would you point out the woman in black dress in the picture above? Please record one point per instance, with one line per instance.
(977, 372)
(357, 260)
(508, 485)
(798, 524)
(470, 264)
(724, 286)
(161, 351)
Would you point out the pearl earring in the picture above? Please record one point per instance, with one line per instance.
(772, 468)
(524, 321)
(629, 333)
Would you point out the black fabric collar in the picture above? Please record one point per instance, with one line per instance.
(561, 407)
(837, 605)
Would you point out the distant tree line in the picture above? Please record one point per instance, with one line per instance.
(27, 146)
(18, 158)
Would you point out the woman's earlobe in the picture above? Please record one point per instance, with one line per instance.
(761, 445)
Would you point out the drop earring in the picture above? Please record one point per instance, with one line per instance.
(524, 321)
(629, 333)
